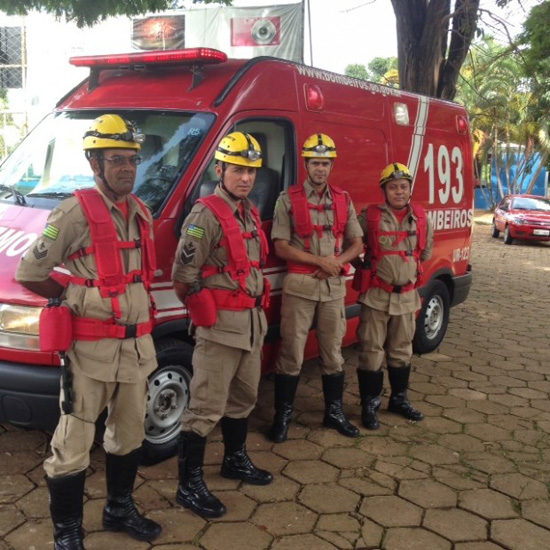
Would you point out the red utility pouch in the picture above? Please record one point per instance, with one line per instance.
(266, 298)
(55, 328)
(202, 308)
(361, 279)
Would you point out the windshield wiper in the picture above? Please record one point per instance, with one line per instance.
(17, 195)
(52, 194)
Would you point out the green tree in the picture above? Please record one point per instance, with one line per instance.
(500, 101)
(380, 69)
(88, 12)
(357, 70)
(535, 41)
(380, 66)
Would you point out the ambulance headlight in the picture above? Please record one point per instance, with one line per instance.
(19, 326)
(19, 319)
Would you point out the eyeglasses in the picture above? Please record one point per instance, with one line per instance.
(118, 160)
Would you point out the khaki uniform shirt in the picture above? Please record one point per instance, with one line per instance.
(199, 245)
(306, 286)
(392, 268)
(67, 231)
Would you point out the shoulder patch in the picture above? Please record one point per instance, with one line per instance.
(195, 231)
(51, 232)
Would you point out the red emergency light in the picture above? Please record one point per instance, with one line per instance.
(195, 56)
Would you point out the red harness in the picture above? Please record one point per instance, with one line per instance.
(373, 218)
(300, 208)
(111, 279)
(239, 265)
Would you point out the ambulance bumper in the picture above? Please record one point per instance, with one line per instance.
(29, 395)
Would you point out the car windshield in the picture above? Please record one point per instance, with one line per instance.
(49, 164)
(531, 203)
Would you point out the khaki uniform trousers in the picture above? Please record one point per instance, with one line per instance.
(74, 435)
(225, 383)
(382, 336)
(298, 316)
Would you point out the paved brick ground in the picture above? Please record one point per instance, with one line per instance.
(474, 475)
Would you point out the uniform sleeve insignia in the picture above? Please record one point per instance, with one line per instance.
(195, 231)
(40, 251)
(51, 232)
(188, 253)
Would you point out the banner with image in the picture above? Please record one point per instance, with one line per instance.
(275, 31)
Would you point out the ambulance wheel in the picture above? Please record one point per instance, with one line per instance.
(431, 324)
(167, 400)
(494, 231)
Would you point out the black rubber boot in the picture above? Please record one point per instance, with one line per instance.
(285, 390)
(333, 389)
(399, 402)
(120, 513)
(236, 462)
(192, 490)
(370, 388)
(66, 495)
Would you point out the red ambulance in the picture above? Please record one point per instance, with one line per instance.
(184, 102)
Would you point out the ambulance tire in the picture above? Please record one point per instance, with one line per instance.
(432, 322)
(167, 399)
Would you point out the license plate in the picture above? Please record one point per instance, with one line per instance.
(541, 232)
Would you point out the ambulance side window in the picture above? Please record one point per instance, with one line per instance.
(278, 163)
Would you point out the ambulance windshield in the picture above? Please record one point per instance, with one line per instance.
(49, 164)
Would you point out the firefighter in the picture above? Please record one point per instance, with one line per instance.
(94, 234)
(316, 231)
(217, 273)
(398, 238)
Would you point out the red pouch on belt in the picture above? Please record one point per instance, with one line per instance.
(361, 279)
(55, 328)
(266, 298)
(202, 308)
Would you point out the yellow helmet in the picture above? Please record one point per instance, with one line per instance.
(395, 171)
(112, 132)
(239, 148)
(319, 146)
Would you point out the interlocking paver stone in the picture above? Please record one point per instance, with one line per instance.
(519, 486)
(329, 498)
(414, 539)
(427, 493)
(235, 536)
(302, 542)
(391, 511)
(537, 511)
(519, 534)
(487, 504)
(311, 471)
(456, 525)
(284, 518)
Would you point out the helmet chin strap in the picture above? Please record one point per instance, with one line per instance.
(222, 185)
(102, 177)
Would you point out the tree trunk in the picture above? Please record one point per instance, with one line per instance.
(426, 64)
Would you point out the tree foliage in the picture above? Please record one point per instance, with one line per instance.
(380, 69)
(356, 70)
(509, 136)
(535, 40)
(89, 12)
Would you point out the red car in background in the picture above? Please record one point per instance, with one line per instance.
(525, 217)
